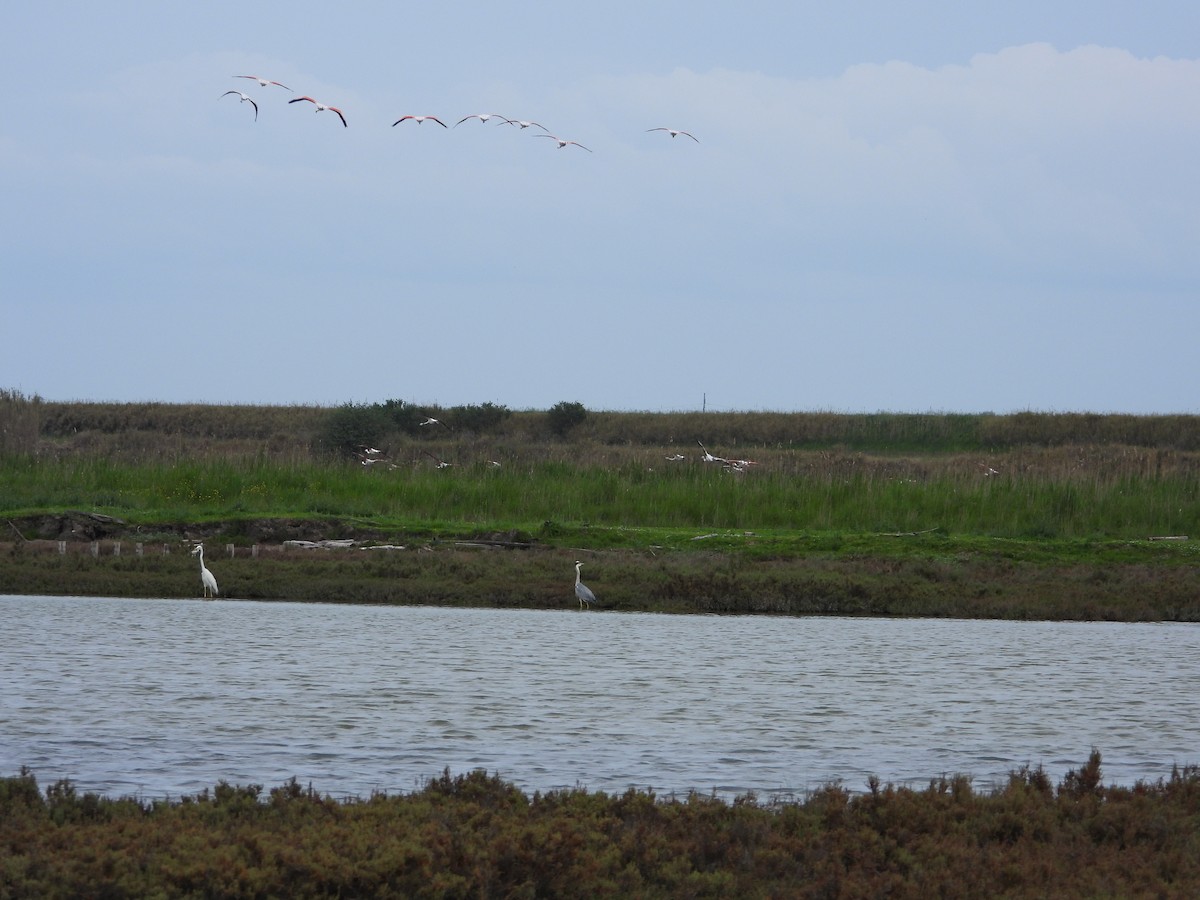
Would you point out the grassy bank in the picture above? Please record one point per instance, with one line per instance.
(476, 836)
(889, 514)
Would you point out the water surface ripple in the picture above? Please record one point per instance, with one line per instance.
(166, 697)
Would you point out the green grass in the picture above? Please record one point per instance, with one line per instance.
(692, 496)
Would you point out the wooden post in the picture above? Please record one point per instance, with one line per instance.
(95, 548)
(116, 548)
(137, 549)
(254, 551)
(229, 547)
(62, 548)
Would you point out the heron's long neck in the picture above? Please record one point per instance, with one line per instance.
(577, 574)
(200, 553)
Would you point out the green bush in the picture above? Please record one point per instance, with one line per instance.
(564, 416)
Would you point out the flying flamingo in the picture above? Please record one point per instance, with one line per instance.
(263, 82)
(321, 106)
(674, 132)
(245, 99)
(709, 458)
(418, 120)
(561, 142)
(482, 117)
(522, 123)
(441, 463)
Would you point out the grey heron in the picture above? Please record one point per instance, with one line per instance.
(582, 591)
(206, 577)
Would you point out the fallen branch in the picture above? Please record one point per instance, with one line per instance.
(908, 533)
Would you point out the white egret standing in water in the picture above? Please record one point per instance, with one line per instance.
(206, 577)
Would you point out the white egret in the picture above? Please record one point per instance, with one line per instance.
(206, 577)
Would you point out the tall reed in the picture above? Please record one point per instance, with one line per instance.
(807, 492)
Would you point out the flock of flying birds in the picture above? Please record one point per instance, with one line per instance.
(482, 117)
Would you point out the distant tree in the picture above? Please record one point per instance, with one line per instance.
(479, 418)
(401, 416)
(353, 426)
(565, 415)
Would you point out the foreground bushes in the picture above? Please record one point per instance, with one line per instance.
(475, 835)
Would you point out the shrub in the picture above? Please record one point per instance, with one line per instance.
(479, 418)
(565, 415)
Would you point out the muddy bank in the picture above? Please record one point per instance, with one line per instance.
(479, 573)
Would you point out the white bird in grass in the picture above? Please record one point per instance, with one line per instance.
(676, 457)
(418, 120)
(441, 463)
(263, 82)
(674, 132)
(206, 577)
(561, 142)
(582, 591)
(322, 106)
(245, 99)
(709, 458)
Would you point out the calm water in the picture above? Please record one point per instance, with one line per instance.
(164, 697)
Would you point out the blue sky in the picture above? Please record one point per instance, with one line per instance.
(904, 207)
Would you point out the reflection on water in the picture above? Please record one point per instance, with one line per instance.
(164, 697)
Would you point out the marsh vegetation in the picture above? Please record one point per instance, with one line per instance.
(475, 835)
(1027, 515)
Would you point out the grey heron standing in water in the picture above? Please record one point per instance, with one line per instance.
(206, 577)
(582, 591)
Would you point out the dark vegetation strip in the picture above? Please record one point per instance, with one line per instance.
(477, 836)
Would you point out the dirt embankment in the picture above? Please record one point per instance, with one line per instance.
(76, 525)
